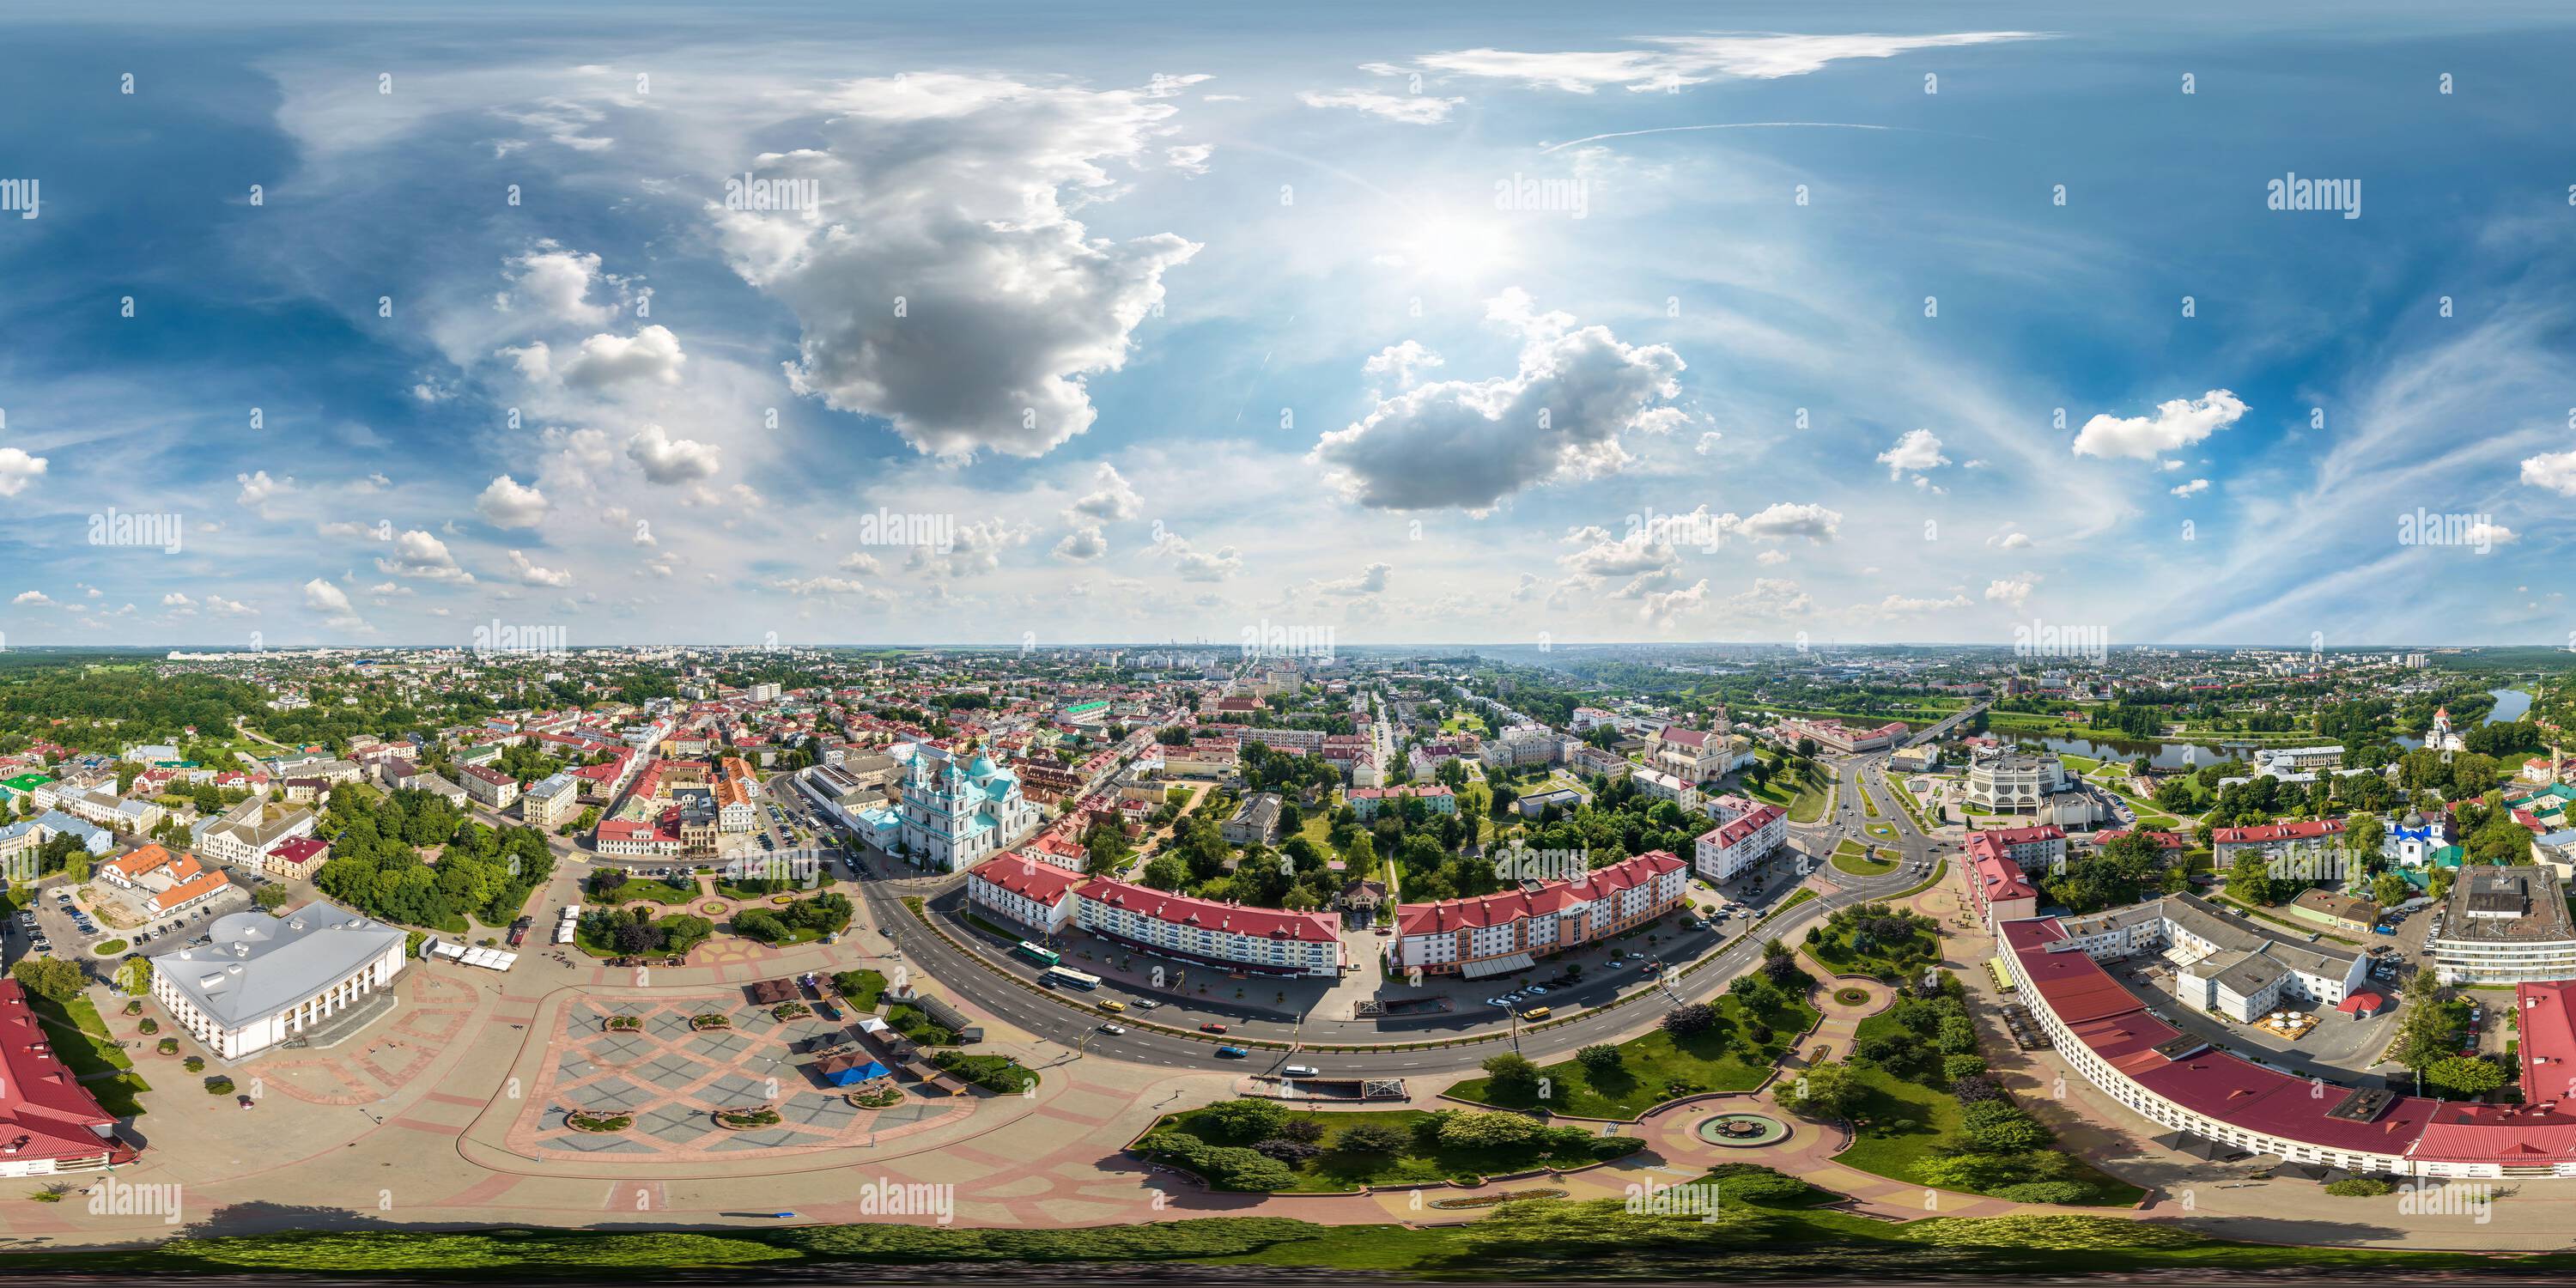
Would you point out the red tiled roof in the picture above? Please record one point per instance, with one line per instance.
(2546, 1014)
(44, 1110)
(2301, 830)
(1515, 905)
(1742, 825)
(1027, 877)
(1208, 914)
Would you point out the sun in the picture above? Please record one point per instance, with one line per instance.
(1458, 247)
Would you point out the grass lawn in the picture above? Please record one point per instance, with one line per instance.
(1851, 857)
(1657, 1062)
(1335, 1169)
(1809, 804)
(864, 987)
(1832, 950)
(1883, 1145)
(650, 892)
(1868, 803)
(81, 1038)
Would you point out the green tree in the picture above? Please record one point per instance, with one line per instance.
(1372, 1138)
(50, 978)
(1599, 1059)
(2249, 880)
(2463, 1076)
(1510, 1076)
(2000, 1127)
(1246, 1119)
(1824, 1091)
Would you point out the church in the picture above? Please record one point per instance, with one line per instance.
(954, 815)
(2441, 737)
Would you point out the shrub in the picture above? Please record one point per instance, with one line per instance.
(148, 1027)
(194, 1064)
(2061, 1192)
(1306, 1128)
(2360, 1187)
(1599, 1059)
(1372, 1138)
(219, 1085)
(1290, 1152)
(1690, 1021)
(168, 1046)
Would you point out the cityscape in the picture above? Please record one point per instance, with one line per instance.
(802, 643)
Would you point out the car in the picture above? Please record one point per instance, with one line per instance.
(245, 1101)
(1109, 1005)
(1495, 1001)
(1112, 1030)
(1211, 1027)
(1302, 1071)
(1538, 990)
(1146, 1004)
(1232, 1052)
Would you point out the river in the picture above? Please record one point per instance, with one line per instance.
(2510, 705)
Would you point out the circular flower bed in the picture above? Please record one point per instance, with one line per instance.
(713, 907)
(579, 1121)
(622, 1024)
(1851, 996)
(168, 1046)
(710, 1021)
(745, 1119)
(110, 948)
(881, 1098)
(1743, 1130)
(790, 1011)
(782, 900)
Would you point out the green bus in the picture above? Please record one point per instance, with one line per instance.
(1042, 956)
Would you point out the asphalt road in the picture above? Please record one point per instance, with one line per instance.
(1071, 1019)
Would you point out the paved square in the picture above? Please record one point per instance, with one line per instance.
(672, 1078)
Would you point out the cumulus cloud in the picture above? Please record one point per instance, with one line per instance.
(1895, 606)
(222, 607)
(1190, 158)
(1194, 564)
(258, 489)
(507, 503)
(1708, 442)
(17, 470)
(1670, 62)
(957, 194)
(976, 549)
(670, 461)
(1401, 361)
(2191, 488)
(1915, 453)
(1665, 607)
(1114, 500)
(1770, 597)
(555, 283)
(2013, 591)
(1560, 415)
(33, 599)
(651, 355)
(423, 557)
(332, 602)
(177, 600)
(2555, 471)
(2178, 423)
(530, 574)
(1082, 545)
(2009, 541)
(1771, 558)
(1411, 109)
(1370, 581)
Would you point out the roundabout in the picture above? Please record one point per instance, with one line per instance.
(1742, 1129)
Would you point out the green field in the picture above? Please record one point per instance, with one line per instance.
(1654, 1065)
(81, 1038)
(1900, 1123)
(1852, 857)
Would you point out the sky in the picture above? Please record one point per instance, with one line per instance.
(1501, 323)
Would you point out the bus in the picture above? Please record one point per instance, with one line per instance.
(1042, 956)
(1054, 976)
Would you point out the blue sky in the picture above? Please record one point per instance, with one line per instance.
(1492, 323)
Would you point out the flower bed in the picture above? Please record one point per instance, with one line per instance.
(746, 1119)
(790, 1011)
(711, 1021)
(579, 1121)
(1471, 1202)
(623, 1024)
(880, 1098)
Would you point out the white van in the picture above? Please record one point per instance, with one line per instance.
(1301, 1071)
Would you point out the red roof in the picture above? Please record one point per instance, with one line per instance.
(44, 1110)
(2003, 879)
(2302, 830)
(1743, 825)
(299, 850)
(1208, 914)
(2163, 840)
(1450, 915)
(1027, 877)
(2546, 1014)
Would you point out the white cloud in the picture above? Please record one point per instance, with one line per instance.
(1769, 597)
(556, 283)
(1771, 558)
(509, 504)
(17, 470)
(1411, 109)
(1560, 415)
(1194, 564)
(1115, 501)
(1672, 62)
(2191, 488)
(1190, 158)
(2177, 424)
(2555, 471)
(1664, 607)
(177, 600)
(652, 354)
(531, 575)
(258, 489)
(957, 193)
(976, 549)
(1082, 545)
(1371, 580)
(861, 561)
(423, 557)
(1918, 451)
(1401, 361)
(33, 599)
(2485, 533)
(1895, 606)
(2010, 541)
(332, 602)
(1708, 442)
(2014, 591)
(671, 461)
(222, 607)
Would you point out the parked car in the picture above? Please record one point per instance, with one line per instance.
(1211, 1027)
